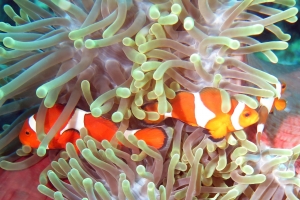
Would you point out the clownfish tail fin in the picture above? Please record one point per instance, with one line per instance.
(156, 137)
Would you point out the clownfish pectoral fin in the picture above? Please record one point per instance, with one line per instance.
(216, 135)
(211, 137)
(206, 131)
(280, 104)
(215, 140)
(70, 135)
(153, 136)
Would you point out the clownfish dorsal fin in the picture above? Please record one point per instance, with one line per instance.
(100, 128)
(184, 107)
(153, 136)
(234, 104)
(53, 114)
(211, 98)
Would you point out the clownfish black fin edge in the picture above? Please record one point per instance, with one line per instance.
(215, 139)
(206, 131)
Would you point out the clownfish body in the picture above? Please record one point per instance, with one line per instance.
(274, 103)
(204, 110)
(99, 128)
(267, 105)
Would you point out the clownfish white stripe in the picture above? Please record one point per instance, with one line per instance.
(98, 128)
(168, 115)
(278, 89)
(129, 132)
(236, 115)
(202, 113)
(260, 127)
(32, 123)
(76, 122)
(267, 102)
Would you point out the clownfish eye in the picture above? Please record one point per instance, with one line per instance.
(283, 86)
(27, 133)
(247, 114)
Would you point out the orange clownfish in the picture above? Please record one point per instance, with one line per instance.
(267, 106)
(98, 127)
(278, 104)
(204, 110)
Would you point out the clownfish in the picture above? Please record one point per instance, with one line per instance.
(204, 110)
(267, 105)
(276, 103)
(99, 128)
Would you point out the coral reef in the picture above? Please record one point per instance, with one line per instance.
(111, 57)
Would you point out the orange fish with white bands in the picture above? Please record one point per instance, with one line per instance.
(274, 103)
(99, 128)
(267, 105)
(204, 110)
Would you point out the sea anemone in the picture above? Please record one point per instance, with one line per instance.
(111, 57)
(202, 169)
